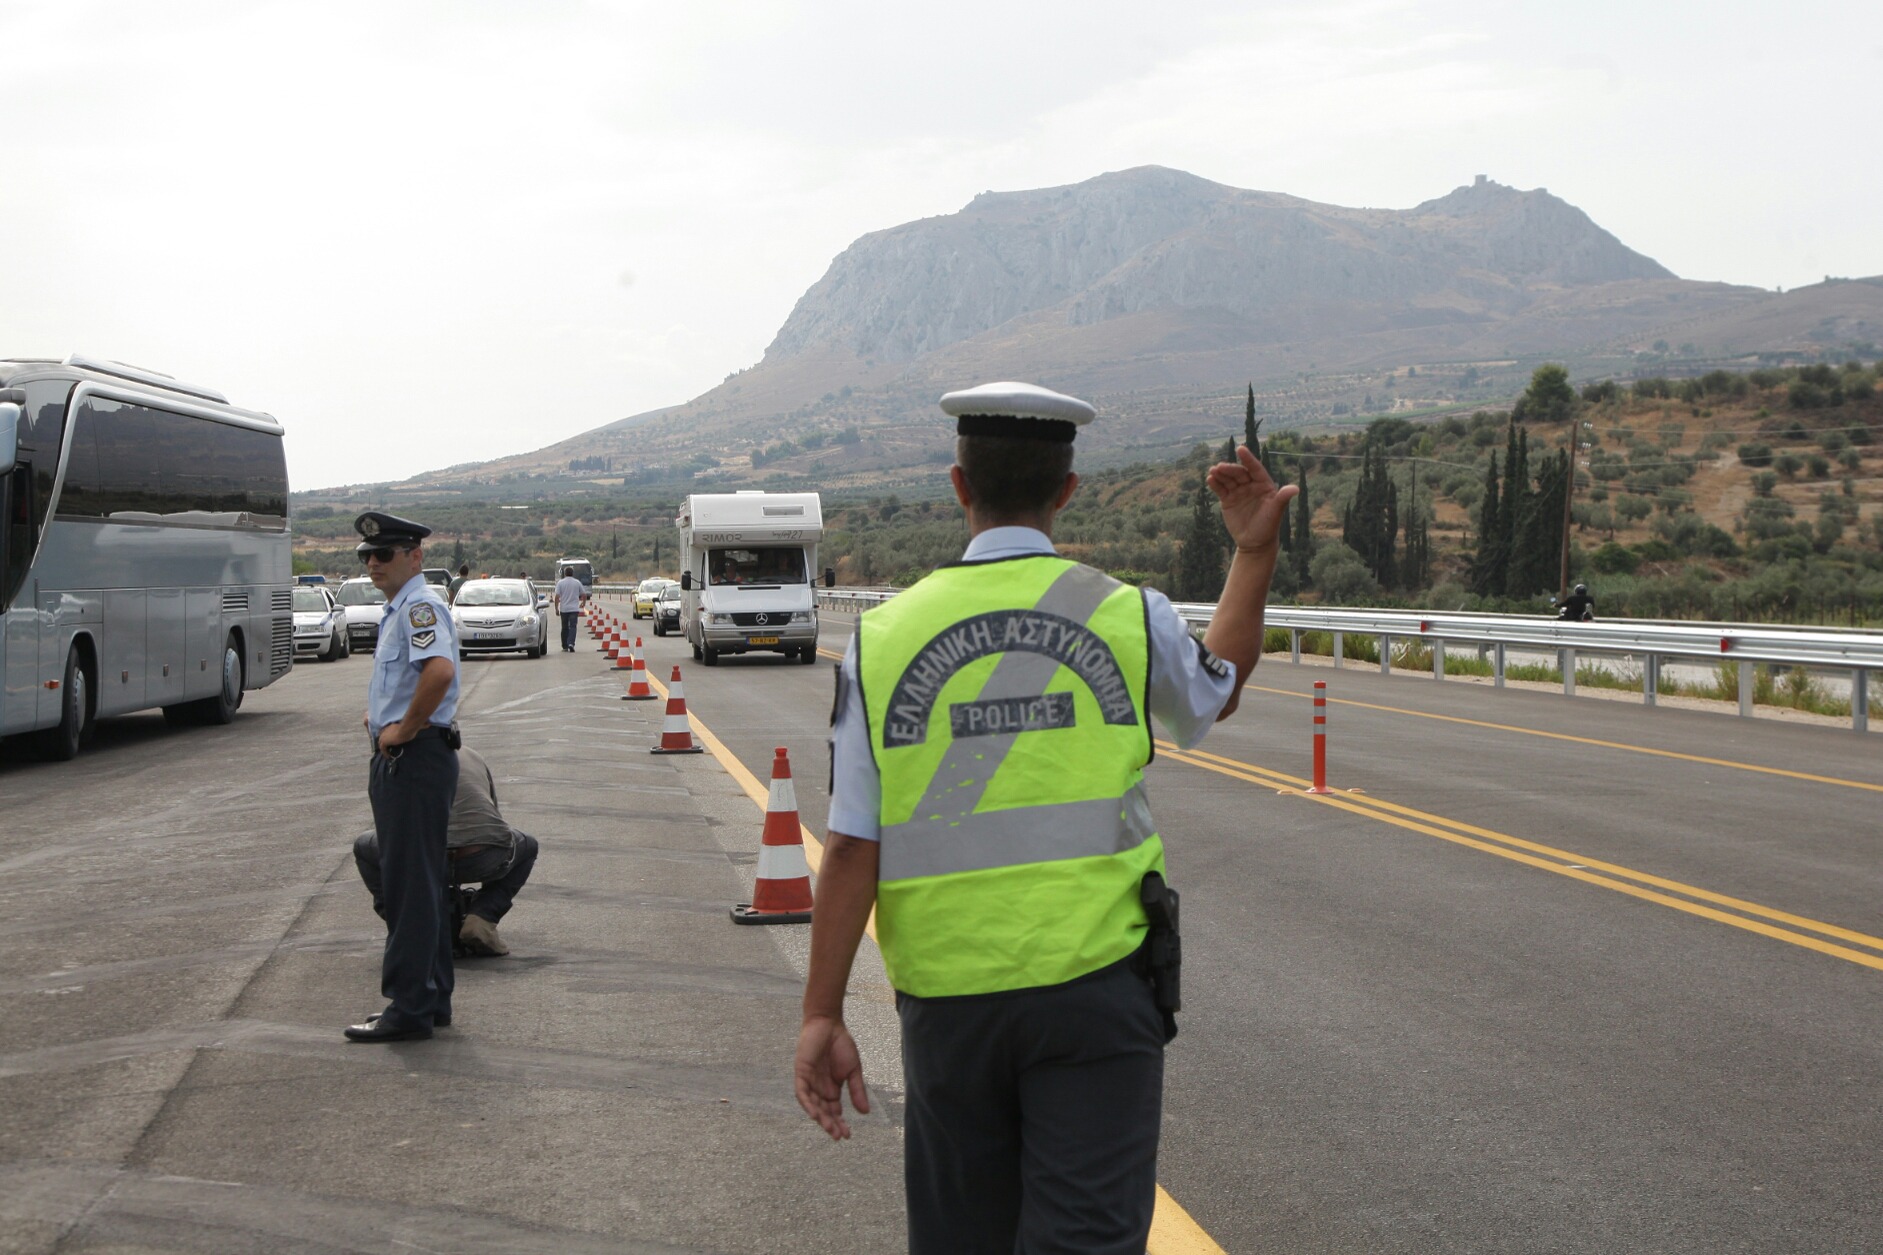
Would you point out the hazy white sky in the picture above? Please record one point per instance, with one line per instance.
(424, 233)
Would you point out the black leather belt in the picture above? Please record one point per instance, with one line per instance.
(448, 735)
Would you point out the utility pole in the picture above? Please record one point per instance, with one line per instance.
(1569, 495)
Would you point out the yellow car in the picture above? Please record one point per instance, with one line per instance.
(646, 594)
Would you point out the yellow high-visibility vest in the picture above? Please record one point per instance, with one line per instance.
(1008, 713)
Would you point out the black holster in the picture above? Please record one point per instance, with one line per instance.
(1163, 949)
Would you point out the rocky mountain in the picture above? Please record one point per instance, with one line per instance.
(1160, 296)
(1151, 239)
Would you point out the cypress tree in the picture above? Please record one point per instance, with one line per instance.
(1487, 569)
(1371, 524)
(1199, 573)
(1516, 493)
(1418, 564)
(1251, 426)
(1304, 531)
(1536, 556)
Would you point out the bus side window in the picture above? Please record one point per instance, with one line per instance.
(18, 536)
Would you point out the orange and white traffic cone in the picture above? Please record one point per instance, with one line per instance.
(638, 689)
(624, 660)
(782, 892)
(676, 734)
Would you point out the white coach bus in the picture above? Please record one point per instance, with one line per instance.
(144, 550)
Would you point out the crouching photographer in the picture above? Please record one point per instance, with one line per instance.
(484, 851)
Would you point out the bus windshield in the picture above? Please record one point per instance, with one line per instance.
(755, 566)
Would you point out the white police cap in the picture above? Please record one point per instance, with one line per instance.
(1017, 409)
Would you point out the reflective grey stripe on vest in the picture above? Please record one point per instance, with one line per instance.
(945, 835)
(1025, 834)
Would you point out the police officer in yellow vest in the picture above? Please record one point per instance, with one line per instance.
(990, 732)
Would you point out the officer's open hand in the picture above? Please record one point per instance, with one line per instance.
(1252, 505)
(828, 1061)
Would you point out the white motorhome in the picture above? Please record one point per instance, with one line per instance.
(748, 579)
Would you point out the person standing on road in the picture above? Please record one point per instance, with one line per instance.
(569, 605)
(411, 704)
(988, 740)
(457, 581)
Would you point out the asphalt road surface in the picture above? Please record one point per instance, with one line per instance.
(1568, 976)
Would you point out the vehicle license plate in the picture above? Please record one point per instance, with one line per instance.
(762, 640)
(485, 636)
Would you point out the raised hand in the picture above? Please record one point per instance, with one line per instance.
(1253, 506)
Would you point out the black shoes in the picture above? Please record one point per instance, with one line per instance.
(377, 1029)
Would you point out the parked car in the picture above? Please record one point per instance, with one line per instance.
(667, 611)
(363, 605)
(320, 625)
(645, 594)
(500, 616)
(437, 575)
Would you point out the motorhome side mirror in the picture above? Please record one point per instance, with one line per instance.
(9, 435)
(686, 581)
(830, 577)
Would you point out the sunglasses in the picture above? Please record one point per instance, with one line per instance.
(383, 554)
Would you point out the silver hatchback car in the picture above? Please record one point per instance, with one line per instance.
(320, 625)
(500, 616)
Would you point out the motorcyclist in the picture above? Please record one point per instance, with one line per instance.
(1578, 607)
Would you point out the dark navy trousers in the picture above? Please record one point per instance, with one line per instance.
(1032, 1118)
(411, 788)
(499, 874)
(569, 620)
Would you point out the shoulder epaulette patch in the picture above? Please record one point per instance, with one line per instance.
(424, 639)
(1211, 663)
(422, 615)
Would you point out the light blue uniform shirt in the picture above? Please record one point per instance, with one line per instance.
(1188, 689)
(415, 625)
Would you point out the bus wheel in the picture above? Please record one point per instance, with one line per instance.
(228, 699)
(61, 744)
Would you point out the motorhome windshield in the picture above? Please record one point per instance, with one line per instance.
(760, 567)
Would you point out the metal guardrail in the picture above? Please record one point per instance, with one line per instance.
(1653, 641)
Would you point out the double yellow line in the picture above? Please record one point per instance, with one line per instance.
(1736, 912)
(1173, 1232)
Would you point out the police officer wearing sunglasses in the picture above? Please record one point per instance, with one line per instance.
(410, 708)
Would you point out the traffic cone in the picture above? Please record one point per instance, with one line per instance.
(638, 690)
(782, 892)
(676, 734)
(624, 660)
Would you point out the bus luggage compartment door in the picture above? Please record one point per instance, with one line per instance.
(123, 660)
